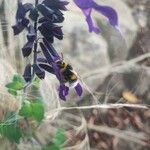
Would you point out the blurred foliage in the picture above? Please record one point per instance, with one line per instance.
(31, 110)
(57, 142)
(10, 129)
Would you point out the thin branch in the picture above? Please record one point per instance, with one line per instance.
(102, 106)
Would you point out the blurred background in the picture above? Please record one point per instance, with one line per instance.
(113, 68)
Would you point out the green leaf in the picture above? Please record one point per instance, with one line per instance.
(18, 78)
(26, 110)
(59, 138)
(15, 85)
(11, 131)
(12, 92)
(33, 110)
(18, 83)
(37, 111)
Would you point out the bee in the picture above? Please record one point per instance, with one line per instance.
(68, 73)
(65, 69)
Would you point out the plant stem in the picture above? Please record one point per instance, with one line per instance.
(34, 62)
(35, 44)
(34, 50)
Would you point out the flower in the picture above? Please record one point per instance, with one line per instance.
(56, 4)
(20, 26)
(51, 14)
(27, 73)
(88, 5)
(54, 65)
(21, 21)
(43, 19)
(63, 91)
(51, 11)
(31, 36)
(50, 30)
(38, 71)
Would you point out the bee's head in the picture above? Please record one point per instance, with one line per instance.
(59, 63)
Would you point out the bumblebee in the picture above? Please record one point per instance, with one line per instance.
(67, 71)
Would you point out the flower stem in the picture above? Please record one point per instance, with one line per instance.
(34, 62)
(34, 50)
(36, 43)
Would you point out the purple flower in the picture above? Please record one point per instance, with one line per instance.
(42, 22)
(88, 5)
(21, 20)
(27, 49)
(38, 71)
(62, 71)
(63, 91)
(27, 73)
(78, 89)
(51, 10)
(49, 31)
(56, 4)
(31, 36)
(20, 26)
